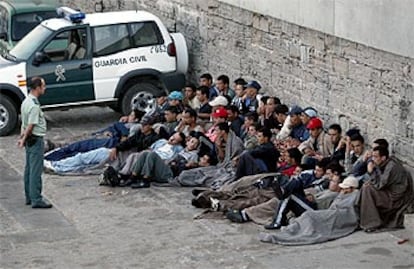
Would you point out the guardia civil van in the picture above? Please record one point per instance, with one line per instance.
(19, 17)
(115, 58)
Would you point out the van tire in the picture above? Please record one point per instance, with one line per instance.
(140, 92)
(8, 115)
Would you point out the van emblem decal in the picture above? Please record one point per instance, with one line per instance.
(60, 73)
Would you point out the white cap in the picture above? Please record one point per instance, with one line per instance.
(219, 101)
(310, 112)
(349, 182)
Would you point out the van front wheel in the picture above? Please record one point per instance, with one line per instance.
(139, 96)
(8, 115)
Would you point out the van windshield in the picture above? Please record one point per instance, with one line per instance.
(25, 22)
(27, 46)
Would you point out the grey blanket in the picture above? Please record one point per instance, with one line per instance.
(214, 176)
(318, 226)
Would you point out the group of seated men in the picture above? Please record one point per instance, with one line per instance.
(232, 136)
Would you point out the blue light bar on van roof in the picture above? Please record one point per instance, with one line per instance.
(70, 14)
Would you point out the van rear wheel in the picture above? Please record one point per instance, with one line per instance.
(8, 115)
(140, 96)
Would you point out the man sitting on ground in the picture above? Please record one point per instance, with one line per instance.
(170, 116)
(188, 122)
(387, 194)
(227, 146)
(205, 109)
(291, 160)
(190, 98)
(318, 146)
(219, 116)
(260, 159)
(236, 121)
(354, 156)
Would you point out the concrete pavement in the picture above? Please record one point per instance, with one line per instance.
(93, 226)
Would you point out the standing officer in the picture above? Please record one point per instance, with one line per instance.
(32, 132)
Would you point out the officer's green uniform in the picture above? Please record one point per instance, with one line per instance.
(32, 114)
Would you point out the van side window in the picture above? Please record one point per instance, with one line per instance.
(110, 39)
(67, 45)
(146, 34)
(24, 23)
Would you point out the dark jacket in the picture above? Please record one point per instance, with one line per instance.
(306, 179)
(300, 133)
(268, 154)
(249, 105)
(236, 125)
(139, 141)
(272, 123)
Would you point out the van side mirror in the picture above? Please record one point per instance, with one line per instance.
(40, 57)
(3, 36)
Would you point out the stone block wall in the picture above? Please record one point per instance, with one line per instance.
(347, 82)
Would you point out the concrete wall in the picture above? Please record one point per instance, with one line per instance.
(381, 24)
(348, 82)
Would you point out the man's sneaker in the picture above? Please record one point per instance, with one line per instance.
(102, 181)
(111, 176)
(215, 204)
(235, 216)
(140, 184)
(48, 166)
(126, 182)
(273, 226)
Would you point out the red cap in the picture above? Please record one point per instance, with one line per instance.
(220, 112)
(314, 123)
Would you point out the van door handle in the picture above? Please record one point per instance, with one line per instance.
(84, 66)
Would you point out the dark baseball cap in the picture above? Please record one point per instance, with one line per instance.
(148, 120)
(295, 110)
(253, 84)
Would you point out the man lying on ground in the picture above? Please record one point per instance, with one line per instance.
(110, 137)
(92, 162)
(316, 226)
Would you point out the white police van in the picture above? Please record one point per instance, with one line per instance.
(114, 58)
